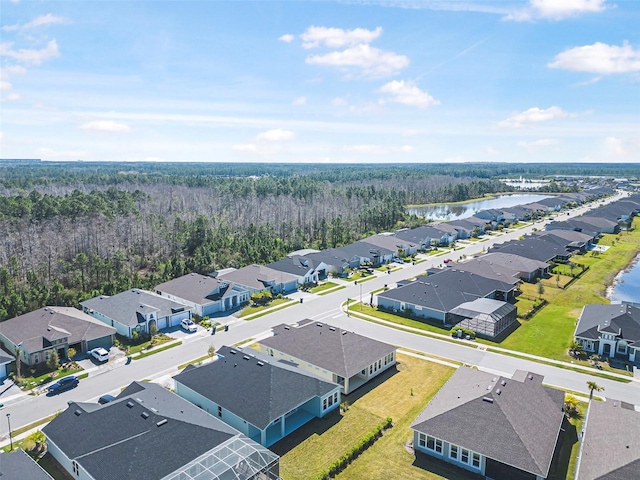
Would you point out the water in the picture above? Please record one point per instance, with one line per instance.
(455, 212)
(627, 285)
(525, 184)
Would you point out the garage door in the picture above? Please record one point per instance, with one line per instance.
(176, 318)
(104, 342)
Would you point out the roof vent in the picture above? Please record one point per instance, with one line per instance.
(333, 329)
(162, 422)
(232, 352)
(530, 377)
(498, 391)
(246, 357)
(503, 383)
(489, 387)
(319, 325)
(78, 412)
(154, 410)
(344, 333)
(260, 364)
(130, 404)
(286, 327)
(487, 399)
(144, 415)
(494, 379)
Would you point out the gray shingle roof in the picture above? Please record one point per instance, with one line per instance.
(257, 393)
(620, 319)
(116, 442)
(17, 465)
(339, 351)
(536, 248)
(196, 288)
(51, 323)
(256, 276)
(296, 265)
(611, 445)
(125, 306)
(516, 423)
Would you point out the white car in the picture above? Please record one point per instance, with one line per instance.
(100, 354)
(188, 325)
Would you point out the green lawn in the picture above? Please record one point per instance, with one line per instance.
(400, 394)
(253, 309)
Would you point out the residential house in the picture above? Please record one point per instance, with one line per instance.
(534, 248)
(506, 267)
(491, 215)
(365, 252)
(5, 364)
(599, 224)
(136, 310)
(435, 296)
(610, 330)
(469, 227)
(610, 447)
(18, 465)
(497, 427)
(149, 433)
(331, 353)
(263, 398)
(428, 236)
(306, 270)
(398, 247)
(258, 278)
(36, 334)
(571, 240)
(205, 294)
(516, 214)
(335, 261)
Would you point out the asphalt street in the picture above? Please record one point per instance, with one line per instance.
(110, 378)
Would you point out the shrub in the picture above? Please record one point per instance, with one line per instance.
(465, 332)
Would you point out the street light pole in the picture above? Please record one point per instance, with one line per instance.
(360, 296)
(10, 437)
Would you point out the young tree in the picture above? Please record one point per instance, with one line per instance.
(211, 351)
(540, 288)
(576, 349)
(71, 352)
(593, 386)
(53, 362)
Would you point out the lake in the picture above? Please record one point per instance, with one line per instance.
(627, 284)
(446, 211)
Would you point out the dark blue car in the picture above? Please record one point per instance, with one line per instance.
(63, 384)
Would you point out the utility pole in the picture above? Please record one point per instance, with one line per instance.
(10, 437)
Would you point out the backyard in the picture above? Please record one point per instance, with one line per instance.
(401, 394)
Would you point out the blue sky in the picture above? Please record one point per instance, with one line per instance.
(294, 82)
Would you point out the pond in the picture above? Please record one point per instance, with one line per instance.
(627, 284)
(447, 211)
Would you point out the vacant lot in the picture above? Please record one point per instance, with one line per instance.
(401, 394)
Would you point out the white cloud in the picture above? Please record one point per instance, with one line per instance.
(556, 9)
(339, 102)
(4, 85)
(106, 126)
(15, 69)
(276, 135)
(368, 149)
(29, 56)
(616, 146)
(370, 60)
(42, 20)
(287, 38)
(532, 116)
(599, 58)
(299, 101)
(337, 37)
(12, 97)
(538, 144)
(407, 93)
(406, 148)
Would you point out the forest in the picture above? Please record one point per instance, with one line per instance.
(75, 230)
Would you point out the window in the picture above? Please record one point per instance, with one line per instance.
(422, 440)
(324, 403)
(453, 451)
(434, 444)
(76, 468)
(475, 460)
(370, 369)
(219, 411)
(464, 455)
(335, 397)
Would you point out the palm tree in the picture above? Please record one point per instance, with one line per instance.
(593, 386)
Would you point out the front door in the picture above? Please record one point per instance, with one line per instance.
(606, 350)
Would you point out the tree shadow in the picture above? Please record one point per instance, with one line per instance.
(562, 455)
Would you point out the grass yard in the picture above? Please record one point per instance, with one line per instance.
(324, 286)
(564, 307)
(399, 393)
(255, 309)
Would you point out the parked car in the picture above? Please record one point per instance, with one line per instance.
(188, 325)
(106, 399)
(63, 384)
(100, 354)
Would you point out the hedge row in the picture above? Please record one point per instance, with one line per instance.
(465, 332)
(365, 442)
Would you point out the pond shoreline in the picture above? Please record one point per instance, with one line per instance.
(633, 263)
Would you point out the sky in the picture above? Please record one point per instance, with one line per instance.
(397, 81)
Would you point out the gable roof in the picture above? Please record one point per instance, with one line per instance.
(298, 265)
(145, 434)
(338, 351)
(535, 248)
(513, 421)
(125, 306)
(197, 288)
(258, 276)
(36, 329)
(388, 244)
(18, 465)
(426, 232)
(611, 443)
(252, 386)
(620, 319)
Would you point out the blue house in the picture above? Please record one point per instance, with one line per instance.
(263, 398)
